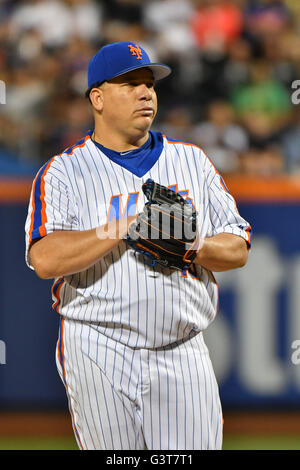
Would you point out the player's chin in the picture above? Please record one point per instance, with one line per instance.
(144, 124)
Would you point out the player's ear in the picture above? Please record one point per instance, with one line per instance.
(96, 98)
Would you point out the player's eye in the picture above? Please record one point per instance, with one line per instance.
(135, 84)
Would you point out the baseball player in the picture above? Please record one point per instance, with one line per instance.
(130, 350)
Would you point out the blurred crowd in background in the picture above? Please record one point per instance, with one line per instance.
(234, 64)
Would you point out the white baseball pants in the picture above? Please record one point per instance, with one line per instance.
(138, 399)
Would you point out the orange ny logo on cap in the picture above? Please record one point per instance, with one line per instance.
(135, 51)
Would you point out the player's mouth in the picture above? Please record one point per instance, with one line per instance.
(146, 111)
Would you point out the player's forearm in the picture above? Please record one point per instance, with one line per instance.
(63, 253)
(222, 252)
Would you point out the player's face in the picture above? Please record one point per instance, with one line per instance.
(130, 102)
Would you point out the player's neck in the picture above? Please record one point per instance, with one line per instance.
(119, 143)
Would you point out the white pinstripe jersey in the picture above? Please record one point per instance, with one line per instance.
(124, 298)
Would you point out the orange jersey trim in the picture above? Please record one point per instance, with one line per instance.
(42, 228)
(56, 293)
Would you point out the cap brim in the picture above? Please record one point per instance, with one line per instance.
(160, 71)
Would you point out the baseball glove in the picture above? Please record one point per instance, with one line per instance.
(166, 230)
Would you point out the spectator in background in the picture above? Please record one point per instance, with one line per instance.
(127, 11)
(177, 123)
(263, 106)
(289, 49)
(216, 24)
(220, 137)
(124, 20)
(25, 94)
(282, 51)
(265, 17)
(169, 20)
(50, 18)
(267, 162)
(291, 143)
(86, 18)
(25, 98)
(294, 9)
(56, 21)
(68, 116)
(45, 41)
(237, 67)
(75, 57)
(116, 31)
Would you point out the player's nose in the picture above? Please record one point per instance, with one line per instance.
(145, 91)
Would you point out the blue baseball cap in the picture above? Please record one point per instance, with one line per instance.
(117, 58)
